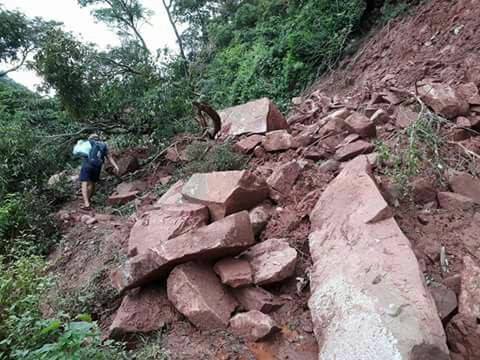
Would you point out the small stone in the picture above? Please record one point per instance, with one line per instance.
(361, 125)
(469, 92)
(272, 261)
(88, 220)
(259, 218)
(329, 166)
(253, 325)
(453, 201)
(445, 299)
(443, 99)
(234, 272)
(283, 178)
(246, 145)
(352, 150)
(380, 117)
(278, 140)
(423, 191)
(259, 151)
(404, 116)
(465, 184)
(256, 298)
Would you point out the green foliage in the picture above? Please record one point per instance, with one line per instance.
(415, 149)
(274, 48)
(150, 348)
(208, 157)
(392, 9)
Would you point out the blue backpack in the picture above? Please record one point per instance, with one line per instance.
(97, 153)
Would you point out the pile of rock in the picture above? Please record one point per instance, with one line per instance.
(200, 237)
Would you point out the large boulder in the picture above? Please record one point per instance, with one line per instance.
(157, 226)
(143, 311)
(228, 236)
(465, 184)
(197, 293)
(127, 163)
(234, 272)
(256, 298)
(272, 261)
(443, 99)
(254, 117)
(253, 325)
(226, 192)
(368, 299)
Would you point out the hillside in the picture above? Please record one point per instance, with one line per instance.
(345, 228)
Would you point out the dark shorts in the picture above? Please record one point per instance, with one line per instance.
(90, 173)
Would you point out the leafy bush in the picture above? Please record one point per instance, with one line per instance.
(207, 157)
(26, 225)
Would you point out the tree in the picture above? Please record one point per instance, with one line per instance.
(19, 38)
(125, 16)
(168, 5)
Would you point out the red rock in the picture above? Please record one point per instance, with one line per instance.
(331, 128)
(469, 93)
(454, 283)
(278, 140)
(197, 293)
(126, 187)
(127, 164)
(463, 122)
(122, 198)
(452, 201)
(143, 311)
(329, 166)
(253, 325)
(360, 256)
(234, 272)
(370, 110)
(464, 336)
(272, 261)
(445, 300)
(283, 178)
(164, 180)
(259, 151)
(354, 149)
(255, 117)
(373, 159)
(469, 300)
(259, 218)
(404, 117)
(155, 227)
(307, 135)
(225, 192)
(316, 154)
(423, 192)
(173, 155)
(465, 184)
(380, 117)
(348, 140)
(246, 145)
(459, 135)
(173, 195)
(361, 125)
(256, 298)
(443, 99)
(226, 237)
(88, 220)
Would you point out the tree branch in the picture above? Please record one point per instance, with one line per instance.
(16, 67)
(177, 34)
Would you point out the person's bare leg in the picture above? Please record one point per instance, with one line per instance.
(85, 193)
(91, 190)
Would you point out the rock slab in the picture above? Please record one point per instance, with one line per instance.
(197, 293)
(253, 325)
(256, 298)
(443, 99)
(228, 236)
(368, 299)
(465, 184)
(272, 261)
(143, 311)
(278, 140)
(225, 192)
(254, 117)
(159, 225)
(234, 272)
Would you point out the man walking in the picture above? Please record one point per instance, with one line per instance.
(92, 166)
